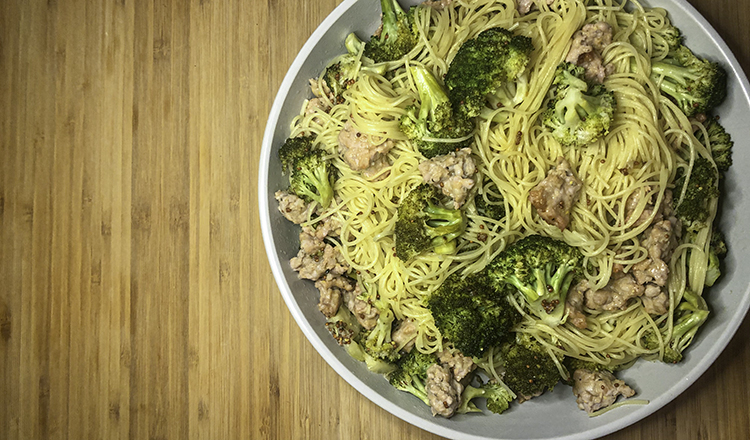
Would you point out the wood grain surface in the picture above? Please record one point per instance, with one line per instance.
(136, 301)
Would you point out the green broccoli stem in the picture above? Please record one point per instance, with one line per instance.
(390, 9)
(320, 179)
(466, 405)
(353, 44)
(693, 313)
(548, 294)
(431, 93)
(416, 387)
(676, 73)
(672, 90)
(688, 325)
(443, 221)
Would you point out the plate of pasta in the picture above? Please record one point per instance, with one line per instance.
(487, 213)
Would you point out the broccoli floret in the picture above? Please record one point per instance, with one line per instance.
(580, 112)
(423, 224)
(432, 126)
(716, 253)
(700, 190)
(398, 34)
(720, 143)
(542, 269)
(344, 70)
(650, 341)
(311, 173)
(472, 314)
(377, 341)
(498, 398)
(483, 65)
(529, 371)
(696, 85)
(410, 374)
(489, 205)
(672, 36)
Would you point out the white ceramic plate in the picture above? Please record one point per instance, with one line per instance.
(657, 382)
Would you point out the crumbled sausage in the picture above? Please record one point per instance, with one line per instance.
(586, 51)
(554, 196)
(331, 290)
(294, 208)
(361, 153)
(443, 391)
(405, 334)
(595, 390)
(459, 364)
(453, 173)
(367, 315)
(316, 257)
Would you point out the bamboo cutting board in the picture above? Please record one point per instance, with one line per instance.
(135, 297)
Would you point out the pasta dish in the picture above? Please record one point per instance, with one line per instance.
(497, 197)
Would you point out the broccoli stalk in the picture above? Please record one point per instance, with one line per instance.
(424, 225)
(483, 66)
(311, 173)
(542, 269)
(695, 85)
(410, 373)
(471, 314)
(692, 312)
(398, 34)
(432, 126)
(498, 398)
(580, 112)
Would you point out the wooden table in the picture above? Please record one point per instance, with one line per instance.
(135, 297)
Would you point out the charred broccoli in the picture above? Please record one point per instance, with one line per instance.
(483, 65)
(423, 224)
(542, 269)
(694, 84)
(472, 314)
(398, 34)
(311, 173)
(433, 126)
(580, 112)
